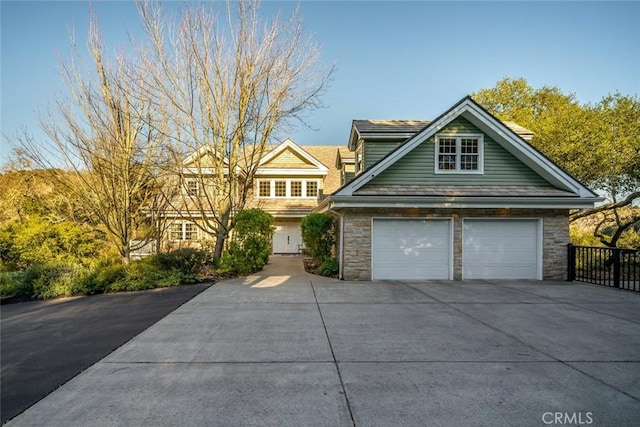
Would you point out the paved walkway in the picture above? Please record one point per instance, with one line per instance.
(287, 348)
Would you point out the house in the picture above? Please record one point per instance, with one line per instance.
(288, 182)
(464, 196)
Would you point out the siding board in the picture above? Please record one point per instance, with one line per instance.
(417, 167)
(373, 151)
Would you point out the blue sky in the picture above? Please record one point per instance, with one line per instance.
(394, 60)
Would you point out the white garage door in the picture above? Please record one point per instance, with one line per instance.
(411, 249)
(501, 249)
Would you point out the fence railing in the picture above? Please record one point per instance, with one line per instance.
(615, 267)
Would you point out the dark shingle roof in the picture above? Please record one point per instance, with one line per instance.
(389, 126)
(414, 126)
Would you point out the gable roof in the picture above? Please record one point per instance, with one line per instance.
(346, 156)
(288, 144)
(498, 131)
(201, 152)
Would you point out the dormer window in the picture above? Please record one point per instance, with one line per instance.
(459, 154)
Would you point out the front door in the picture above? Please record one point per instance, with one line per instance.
(287, 239)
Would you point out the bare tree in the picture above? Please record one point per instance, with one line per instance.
(100, 144)
(225, 88)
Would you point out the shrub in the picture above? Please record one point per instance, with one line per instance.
(250, 245)
(189, 262)
(12, 284)
(145, 274)
(39, 241)
(59, 280)
(329, 267)
(102, 276)
(318, 234)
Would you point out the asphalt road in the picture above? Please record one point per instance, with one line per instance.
(45, 344)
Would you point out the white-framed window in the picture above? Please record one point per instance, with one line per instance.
(459, 154)
(183, 231)
(264, 188)
(296, 188)
(359, 160)
(288, 188)
(280, 188)
(192, 186)
(312, 188)
(175, 231)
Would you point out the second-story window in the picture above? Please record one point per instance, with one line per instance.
(312, 189)
(281, 189)
(264, 189)
(459, 154)
(296, 188)
(192, 186)
(289, 188)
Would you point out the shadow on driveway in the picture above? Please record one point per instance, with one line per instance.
(46, 343)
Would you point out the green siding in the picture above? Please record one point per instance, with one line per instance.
(500, 167)
(373, 151)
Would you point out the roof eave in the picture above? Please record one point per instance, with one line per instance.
(461, 202)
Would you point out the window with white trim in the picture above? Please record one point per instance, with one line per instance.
(312, 188)
(264, 188)
(192, 186)
(288, 188)
(459, 154)
(296, 188)
(183, 231)
(281, 189)
(359, 160)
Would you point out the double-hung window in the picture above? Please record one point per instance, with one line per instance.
(192, 187)
(459, 154)
(183, 231)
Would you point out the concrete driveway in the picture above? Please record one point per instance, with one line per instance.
(287, 348)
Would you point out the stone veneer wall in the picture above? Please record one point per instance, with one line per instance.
(357, 236)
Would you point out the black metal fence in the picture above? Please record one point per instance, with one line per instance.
(618, 268)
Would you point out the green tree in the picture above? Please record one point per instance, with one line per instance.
(599, 144)
(319, 235)
(250, 246)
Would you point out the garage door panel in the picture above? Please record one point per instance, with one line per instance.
(501, 249)
(411, 249)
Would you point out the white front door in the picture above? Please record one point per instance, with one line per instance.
(287, 239)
